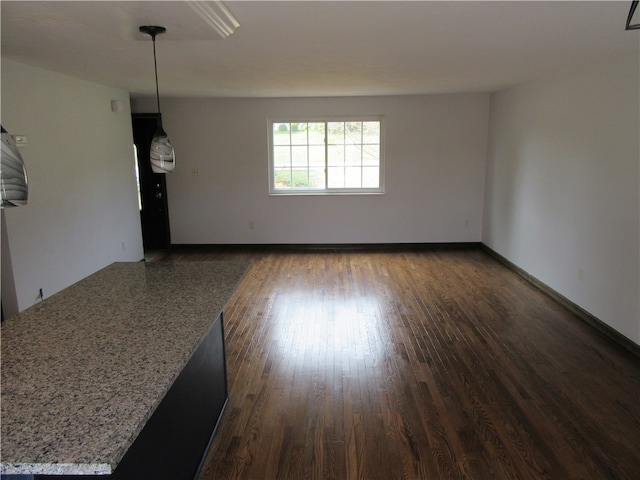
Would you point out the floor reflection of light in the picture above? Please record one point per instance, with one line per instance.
(328, 326)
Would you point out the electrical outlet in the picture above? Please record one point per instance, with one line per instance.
(123, 249)
(195, 172)
(251, 225)
(466, 224)
(580, 274)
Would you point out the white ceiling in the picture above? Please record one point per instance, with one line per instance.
(305, 48)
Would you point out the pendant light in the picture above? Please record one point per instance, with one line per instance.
(163, 158)
(13, 175)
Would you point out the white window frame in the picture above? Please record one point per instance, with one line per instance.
(327, 190)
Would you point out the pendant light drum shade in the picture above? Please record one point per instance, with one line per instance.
(13, 175)
(162, 155)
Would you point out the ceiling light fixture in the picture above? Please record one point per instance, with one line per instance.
(13, 174)
(163, 158)
(630, 19)
(217, 16)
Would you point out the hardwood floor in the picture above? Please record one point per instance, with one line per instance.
(415, 364)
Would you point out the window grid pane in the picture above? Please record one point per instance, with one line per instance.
(370, 177)
(281, 135)
(353, 155)
(353, 133)
(353, 177)
(336, 133)
(335, 177)
(299, 134)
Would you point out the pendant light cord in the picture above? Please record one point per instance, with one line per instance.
(155, 66)
(152, 31)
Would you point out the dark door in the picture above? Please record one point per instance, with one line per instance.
(154, 215)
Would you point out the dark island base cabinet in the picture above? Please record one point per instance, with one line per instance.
(176, 439)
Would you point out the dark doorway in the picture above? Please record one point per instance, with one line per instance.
(154, 213)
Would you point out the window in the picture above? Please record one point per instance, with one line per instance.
(326, 156)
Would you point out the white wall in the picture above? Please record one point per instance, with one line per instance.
(562, 191)
(435, 165)
(82, 212)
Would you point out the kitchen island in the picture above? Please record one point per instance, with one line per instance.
(96, 375)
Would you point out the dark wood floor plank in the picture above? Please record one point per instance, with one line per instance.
(414, 364)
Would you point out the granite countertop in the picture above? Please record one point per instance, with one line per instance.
(84, 370)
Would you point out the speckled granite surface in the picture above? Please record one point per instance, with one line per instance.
(84, 370)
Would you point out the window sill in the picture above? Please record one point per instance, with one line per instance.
(322, 193)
